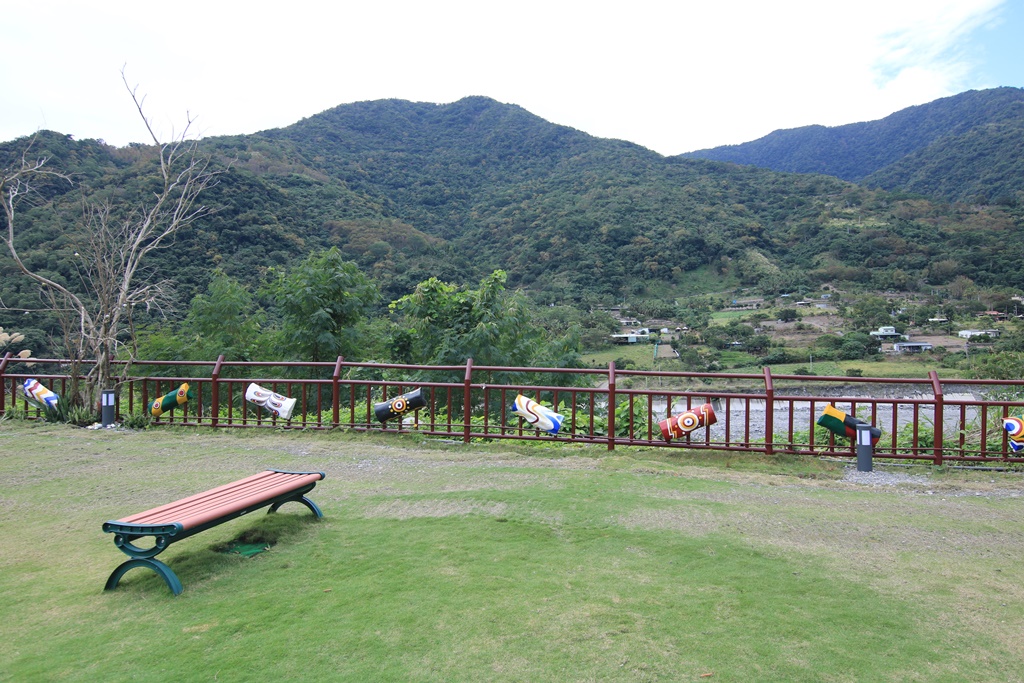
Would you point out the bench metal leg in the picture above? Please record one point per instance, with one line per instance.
(156, 565)
(305, 501)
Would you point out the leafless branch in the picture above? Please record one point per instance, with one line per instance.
(112, 244)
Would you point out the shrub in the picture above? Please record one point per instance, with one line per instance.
(138, 421)
(81, 416)
(777, 357)
(15, 413)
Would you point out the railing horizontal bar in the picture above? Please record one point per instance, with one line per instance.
(768, 416)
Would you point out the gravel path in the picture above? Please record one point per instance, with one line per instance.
(879, 477)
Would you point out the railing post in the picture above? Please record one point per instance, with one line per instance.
(336, 391)
(3, 387)
(611, 405)
(466, 386)
(769, 412)
(215, 393)
(940, 405)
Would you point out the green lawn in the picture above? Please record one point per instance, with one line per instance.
(641, 357)
(721, 317)
(505, 562)
(731, 359)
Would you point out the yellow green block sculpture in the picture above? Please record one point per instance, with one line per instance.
(841, 424)
(171, 400)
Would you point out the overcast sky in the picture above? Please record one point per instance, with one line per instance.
(673, 76)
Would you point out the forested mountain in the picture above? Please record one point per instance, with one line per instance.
(961, 148)
(413, 190)
(560, 210)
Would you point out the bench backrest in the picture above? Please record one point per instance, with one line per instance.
(224, 500)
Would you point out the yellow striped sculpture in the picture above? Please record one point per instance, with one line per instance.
(39, 395)
(540, 417)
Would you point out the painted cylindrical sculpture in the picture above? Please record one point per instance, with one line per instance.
(279, 405)
(399, 405)
(540, 417)
(680, 425)
(841, 424)
(169, 401)
(40, 395)
(1014, 427)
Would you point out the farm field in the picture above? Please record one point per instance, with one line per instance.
(798, 338)
(641, 357)
(498, 562)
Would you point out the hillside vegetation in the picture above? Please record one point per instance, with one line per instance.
(413, 191)
(961, 148)
(410, 190)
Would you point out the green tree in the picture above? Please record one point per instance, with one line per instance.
(998, 365)
(757, 343)
(693, 318)
(320, 302)
(1011, 340)
(857, 345)
(225, 320)
(869, 312)
(960, 287)
(722, 336)
(444, 324)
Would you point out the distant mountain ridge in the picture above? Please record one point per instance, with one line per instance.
(413, 190)
(956, 148)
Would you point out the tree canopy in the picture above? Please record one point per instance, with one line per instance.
(320, 301)
(445, 324)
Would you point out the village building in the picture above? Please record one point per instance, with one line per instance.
(911, 347)
(887, 333)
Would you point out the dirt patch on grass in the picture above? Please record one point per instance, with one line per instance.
(950, 342)
(804, 332)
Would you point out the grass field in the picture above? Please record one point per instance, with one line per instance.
(887, 368)
(723, 317)
(642, 358)
(505, 562)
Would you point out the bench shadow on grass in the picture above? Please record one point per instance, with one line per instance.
(200, 563)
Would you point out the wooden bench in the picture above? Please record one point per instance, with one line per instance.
(188, 516)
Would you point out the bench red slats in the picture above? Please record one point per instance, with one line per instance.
(217, 502)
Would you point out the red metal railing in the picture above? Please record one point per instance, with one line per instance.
(924, 418)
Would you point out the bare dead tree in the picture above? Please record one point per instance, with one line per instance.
(112, 242)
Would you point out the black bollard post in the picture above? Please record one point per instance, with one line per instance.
(107, 408)
(865, 451)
